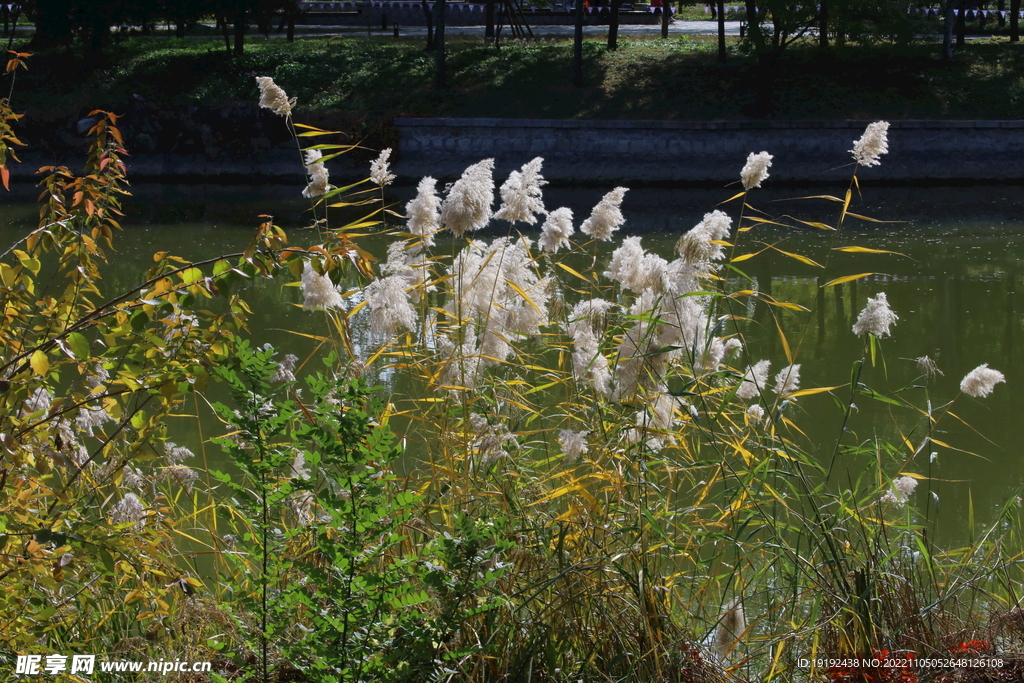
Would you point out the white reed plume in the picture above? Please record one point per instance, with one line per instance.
(635, 269)
(521, 194)
(409, 262)
(788, 380)
(389, 306)
(98, 377)
(927, 366)
(902, 489)
(380, 172)
(556, 230)
(318, 291)
(589, 364)
(128, 509)
(574, 444)
(39, 400)
(460, 364)
(468, 203)
(663, 410)
(176, 454)
(731, 626)
(980, 381)
(876, 318)
(301, 504)
(285, 371)
(873, 144)
(755, 171)
(698, 251)
(272, 97)
(606, 217)
(755, 381)
(423, 212)
(132, 478)
(299, 470)
(755, 413)
(588, 315)
(92, 418)
(318, 175)
(185, 477)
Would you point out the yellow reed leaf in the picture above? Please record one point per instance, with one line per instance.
(785, 343)
(914, 475)
(811, 392)
(571, 271)
(526, 297)
(866, 250)
(744, 257)
(789, 306)
(799, 257)
(846, 278)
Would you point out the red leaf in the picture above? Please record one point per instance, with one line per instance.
(5, 176)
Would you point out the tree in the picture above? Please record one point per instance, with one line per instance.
(788, 23)
(577, 48)
(440, 64)
(613, 26)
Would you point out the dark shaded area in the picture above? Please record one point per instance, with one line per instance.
(189, 97)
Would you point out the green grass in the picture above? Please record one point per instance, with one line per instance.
(379, 78)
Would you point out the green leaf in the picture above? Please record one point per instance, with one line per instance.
(79, 345)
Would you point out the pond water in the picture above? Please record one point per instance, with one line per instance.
(954, 286)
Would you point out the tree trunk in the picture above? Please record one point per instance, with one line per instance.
(823, 25)
(1001, 6)
(98, 34)
(222, 21)
(764, 74)
(291, 27)
(440, 66)
(961, 25)
(1014, 21)
(577, 48)
(721, 29)
(613, 26)
(947, 33)
(179, 27)
(666, 15)
(489, 19)
(429, 16)
(240, 28)
(53, 24)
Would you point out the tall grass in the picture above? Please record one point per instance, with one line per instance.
(609, 484)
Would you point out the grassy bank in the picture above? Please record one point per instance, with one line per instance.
(379, 78)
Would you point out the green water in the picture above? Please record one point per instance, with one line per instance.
(954, 287)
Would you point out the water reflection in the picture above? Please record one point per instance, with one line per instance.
(954, 287)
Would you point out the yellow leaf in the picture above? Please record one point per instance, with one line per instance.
(811, 392)
(912, 475)
(526, 297)
(789, 306)
(785, 343)
(744, 257)
(571, 271)
(799, 257)
(866, 250)
(846, 278)
(39, 362)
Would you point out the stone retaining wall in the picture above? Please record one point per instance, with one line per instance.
(682, 152)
